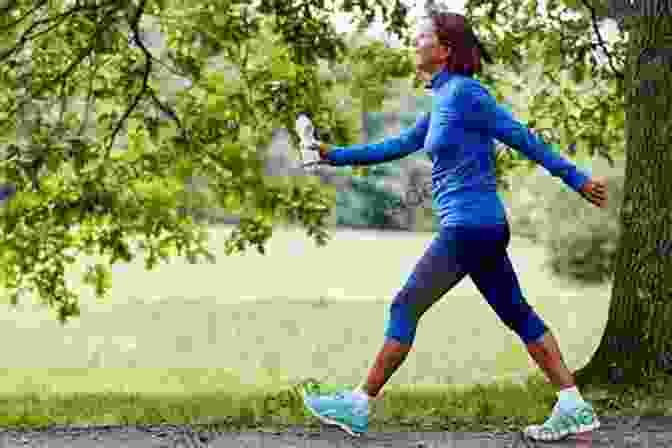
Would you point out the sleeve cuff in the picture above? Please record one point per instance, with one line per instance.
(577, 180)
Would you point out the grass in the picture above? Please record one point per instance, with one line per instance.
(227, 347)
(500, 406)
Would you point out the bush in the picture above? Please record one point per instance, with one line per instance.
(366, 202)
(582, 239)
(526, 203)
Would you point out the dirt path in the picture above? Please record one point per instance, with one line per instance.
(616, 432)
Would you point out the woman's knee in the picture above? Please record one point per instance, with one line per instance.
(524, 321)
(401, 325)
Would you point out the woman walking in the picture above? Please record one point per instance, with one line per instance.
(458, 134)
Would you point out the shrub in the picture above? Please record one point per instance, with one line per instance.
(365, 203)
(582, 239)
(526, 203)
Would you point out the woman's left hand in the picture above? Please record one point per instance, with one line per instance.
(595, 190)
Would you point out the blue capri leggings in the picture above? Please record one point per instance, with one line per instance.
(455, 252)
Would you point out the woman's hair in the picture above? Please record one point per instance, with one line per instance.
(453, 30)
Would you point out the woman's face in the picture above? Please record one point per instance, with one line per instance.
(430, 56)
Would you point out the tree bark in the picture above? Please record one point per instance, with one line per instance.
(637, 339)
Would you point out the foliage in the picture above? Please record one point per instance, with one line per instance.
(582, 242)
(80, 192)
(368, 200)
(365, 203)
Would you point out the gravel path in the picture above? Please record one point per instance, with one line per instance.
(616, 432)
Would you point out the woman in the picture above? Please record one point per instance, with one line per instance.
(474, 235)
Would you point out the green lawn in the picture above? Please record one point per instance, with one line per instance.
(252, 324)
(319, 312)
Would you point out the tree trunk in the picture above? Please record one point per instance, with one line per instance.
(637, 340)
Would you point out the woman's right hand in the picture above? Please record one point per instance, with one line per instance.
(321, 147)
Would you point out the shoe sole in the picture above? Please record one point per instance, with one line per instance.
(327, 420)
(567, 433)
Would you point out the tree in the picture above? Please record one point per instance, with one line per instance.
(637, 340)
(79, 194)
(365, 76)
(634, 81)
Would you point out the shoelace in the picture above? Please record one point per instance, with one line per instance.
(315, 387)
(560, 420)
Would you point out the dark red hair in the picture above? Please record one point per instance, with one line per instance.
(466, 51)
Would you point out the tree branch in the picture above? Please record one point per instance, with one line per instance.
(83, 54)
(22, 18)
(593, 15)
(89, 98)
(63, 76)
(5, 9)
(168, 110)
(148, 67)
(24, 38)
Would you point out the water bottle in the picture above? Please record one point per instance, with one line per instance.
(306, 131)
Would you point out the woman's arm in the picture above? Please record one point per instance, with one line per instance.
(482, 111)
(409, 141)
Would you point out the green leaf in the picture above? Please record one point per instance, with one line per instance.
(578, 73)
(100, 277)
(575, 5)
(266, 79)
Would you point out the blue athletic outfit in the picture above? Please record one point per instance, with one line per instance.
(458, 135)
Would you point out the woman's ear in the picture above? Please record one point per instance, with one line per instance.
(423, 75)
(445, 53)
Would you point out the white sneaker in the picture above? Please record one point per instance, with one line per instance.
(565, 422)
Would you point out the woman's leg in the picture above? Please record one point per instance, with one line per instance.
(492, 273)
(546, 353)
(389, 359)
(436, 273)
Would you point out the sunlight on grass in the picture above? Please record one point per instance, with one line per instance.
(157, 381)
(332, 335)
(223, 341)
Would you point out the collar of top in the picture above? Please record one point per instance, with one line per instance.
(438, 79)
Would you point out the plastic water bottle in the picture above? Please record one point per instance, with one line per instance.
(306, 131)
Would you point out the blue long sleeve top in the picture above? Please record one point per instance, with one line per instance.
(458, 136)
